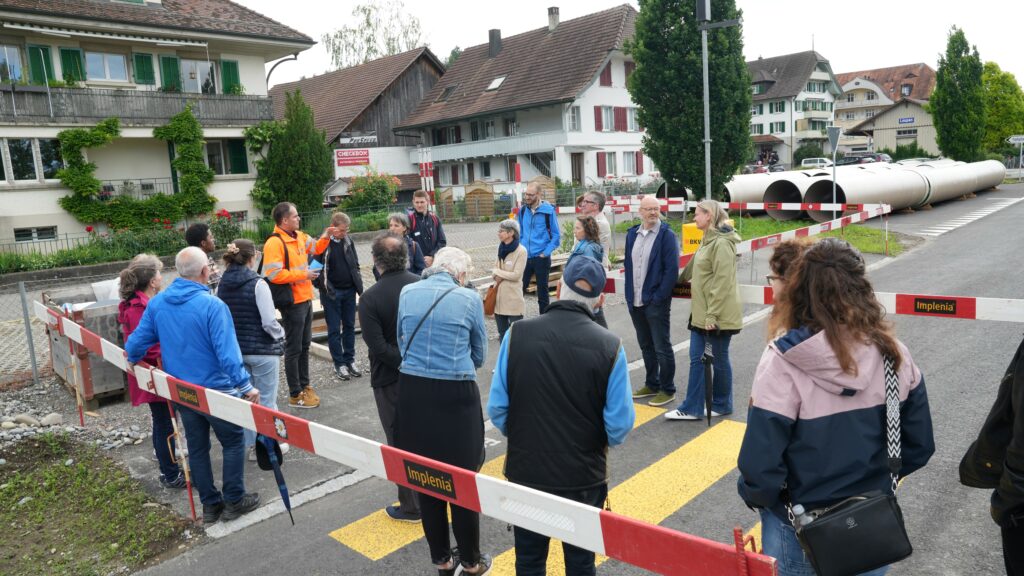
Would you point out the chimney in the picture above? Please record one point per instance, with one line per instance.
(552, 18)
(494, 43)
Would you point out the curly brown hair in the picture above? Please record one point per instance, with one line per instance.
(590, 229)
(828, 290)
(786, 253)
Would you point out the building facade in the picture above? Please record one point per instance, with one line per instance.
(68, 64)
(869, 92)
(794, 98)
(552, 102)
(903, 123)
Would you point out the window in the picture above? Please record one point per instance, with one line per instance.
(23, 161)
(757, 109)
(758, 89)
(40, 65)
(215, 156)
(575, 119)
(444, 175)
(905, 89)
(474, 131)
(446, 93)
(450, 135)
(197, 77)
(756, 129)
(871, 96)
(907, 133)
(869, 113)
(488, 129)
(230, 79)
(106, 66)
(850, 115)
(606, 75)
(606, 164)
(142, 68)
(36, 233)
(496, 83)
(630, 68)
(632, 124)
(511, 127)
(10, 63)
(455, 174)
(227, 156)
(628, 163)
(777, 127)
(485, 168)
(849, 97)
(815, 86)
(818, 125)
(49, 154)
(607, 118)
(776, 107)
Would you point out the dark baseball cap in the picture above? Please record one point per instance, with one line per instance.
(587, 269)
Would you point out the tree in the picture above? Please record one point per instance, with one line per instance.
(298, 161)
(958, 103)
(452, 57)
(668, 88)
(1004, 107)
(380, 29)
(807, 150)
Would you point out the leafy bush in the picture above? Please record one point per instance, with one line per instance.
(902, 152)
(807, 150)
(371, 190)
(224, 227)
(161, 239)
(369, 222)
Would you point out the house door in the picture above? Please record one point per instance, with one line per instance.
(577, 168)
(470, 172)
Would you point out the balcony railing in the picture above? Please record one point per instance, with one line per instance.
(36, 105)
(139, 188)
(507, 146)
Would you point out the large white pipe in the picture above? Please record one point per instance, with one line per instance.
(750, 187)
(898, 188)
(791, 189)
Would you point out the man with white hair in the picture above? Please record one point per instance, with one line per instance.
(198, 345)
(592, 204)
(561, 395)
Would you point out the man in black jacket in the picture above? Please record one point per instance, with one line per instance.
(996, 460)
(425, 227)
(339, 284)
(378, 317)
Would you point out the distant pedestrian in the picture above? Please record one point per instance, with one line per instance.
(378, 318)
(140, 281)
(286, 263)
(652, 267)
(539, 234)
(260, 336)
(561, 395)
(398, 224)
(200, 236)
(508, 275)
(716, 313)
(198, 345)
(425, 227)
(340, 282)
(816, 432)
(443, 341)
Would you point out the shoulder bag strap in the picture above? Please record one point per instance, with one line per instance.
(892, 421)
(424, 319)
(259, 269)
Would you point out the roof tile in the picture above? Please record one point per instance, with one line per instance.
(789, 72)
(920, 76)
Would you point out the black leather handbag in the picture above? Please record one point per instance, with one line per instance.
(863, 532)
(281, 293)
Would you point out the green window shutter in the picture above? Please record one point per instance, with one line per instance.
(40, 65)
(170, 73)
(230, 79)
(72, 64)
(143, 65)
(238, 161)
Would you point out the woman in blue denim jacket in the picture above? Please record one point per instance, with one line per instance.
(442, 338)
(588, 239)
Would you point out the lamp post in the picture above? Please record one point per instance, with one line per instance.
(705, 24)
(833, 139)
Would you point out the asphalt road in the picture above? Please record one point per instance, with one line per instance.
(962, 361)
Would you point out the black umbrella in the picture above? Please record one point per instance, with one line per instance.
(268, 456)
(708, 358)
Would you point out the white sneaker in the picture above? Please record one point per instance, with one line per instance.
(677, 415)
(252, 453)
(284, 448)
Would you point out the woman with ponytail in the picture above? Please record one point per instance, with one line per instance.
(140, 281)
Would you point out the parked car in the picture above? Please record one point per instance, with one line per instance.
(815, 163)
(755, 169)
(848, 160)
(776, 168)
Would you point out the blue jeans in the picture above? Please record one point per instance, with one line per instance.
(197, 432)
(651, 323)
(778, 539)
(721, 391)
(541, 267)
(263, 372)
(162, 430)
(532, 548)
(340, 315)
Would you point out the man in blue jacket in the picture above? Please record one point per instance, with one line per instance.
(540, 236)
(652, 267)
(198, 345)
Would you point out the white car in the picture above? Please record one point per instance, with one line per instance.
(815, 163)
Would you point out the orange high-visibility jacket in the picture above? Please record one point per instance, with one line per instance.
(299, 249)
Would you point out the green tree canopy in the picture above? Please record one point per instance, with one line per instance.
(668, 88)
(298, 163)
(958, 102)
(1004, 107)
(379, 29)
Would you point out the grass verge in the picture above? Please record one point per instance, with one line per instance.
(67, 509)
(868, 238)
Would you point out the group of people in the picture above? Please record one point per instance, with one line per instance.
(560, 390)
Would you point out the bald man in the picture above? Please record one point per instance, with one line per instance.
(652, 266)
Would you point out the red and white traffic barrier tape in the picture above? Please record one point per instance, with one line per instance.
(644, 545)
(679, 205)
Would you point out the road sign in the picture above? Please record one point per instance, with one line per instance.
(1018, 139)
(833, 135)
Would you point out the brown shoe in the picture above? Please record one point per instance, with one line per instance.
(303, 400)
(311, 397)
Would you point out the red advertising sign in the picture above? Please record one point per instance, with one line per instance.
(355, 157)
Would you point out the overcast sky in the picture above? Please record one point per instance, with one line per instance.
(853, 36)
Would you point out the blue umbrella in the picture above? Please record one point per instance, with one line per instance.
(269, 457)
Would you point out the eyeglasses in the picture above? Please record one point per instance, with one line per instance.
(772, 278)
(587, 202)
(654, 209)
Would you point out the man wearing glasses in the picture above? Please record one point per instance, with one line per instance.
(592, 204)
(539, 234)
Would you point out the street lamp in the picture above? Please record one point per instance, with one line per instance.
(705, 24)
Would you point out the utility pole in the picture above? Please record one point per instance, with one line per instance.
(705, 24)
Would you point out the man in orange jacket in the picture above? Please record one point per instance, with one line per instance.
(297, 317)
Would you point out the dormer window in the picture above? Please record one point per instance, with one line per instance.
(905, 89)
(447, 93)
(496, 83)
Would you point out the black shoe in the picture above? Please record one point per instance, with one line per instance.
(212, 513)
(247, 504)
(455, 564)
(342, 372)
(483, 566)
(396, 513)
(352, 370)
(177, 483)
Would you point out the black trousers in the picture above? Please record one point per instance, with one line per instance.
(541, 267)
(297, 320)
(1013, 548)
(386, 398)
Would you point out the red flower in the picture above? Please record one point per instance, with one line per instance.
(166, 221)
(167, 226)
(157, 220)
(88, 228)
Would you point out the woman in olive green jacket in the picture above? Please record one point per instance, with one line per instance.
(716, 313)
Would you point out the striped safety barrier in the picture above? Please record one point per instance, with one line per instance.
(647, 546)
(630, 205)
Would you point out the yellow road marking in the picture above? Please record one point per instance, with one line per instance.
(656, 492)
(756, 533)
(377, 535)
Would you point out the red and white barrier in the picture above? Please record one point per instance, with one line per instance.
(645, 545)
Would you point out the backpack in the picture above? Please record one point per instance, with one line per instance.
(412, 220)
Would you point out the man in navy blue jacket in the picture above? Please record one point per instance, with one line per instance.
(652, 266)
(540, 236)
